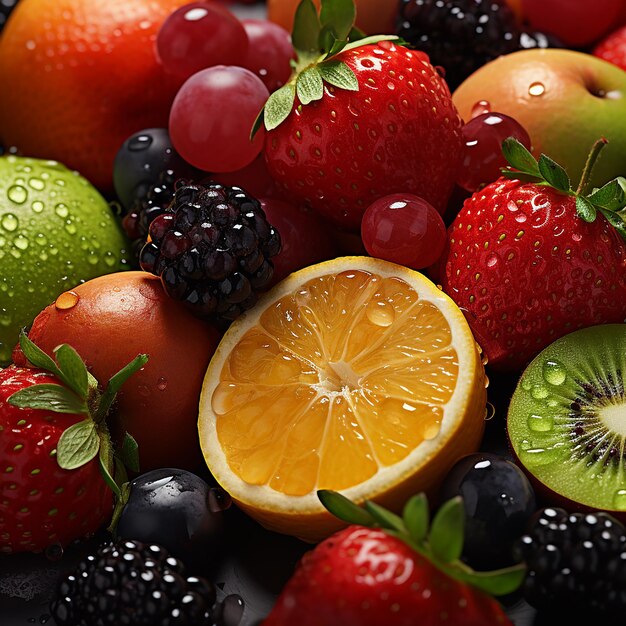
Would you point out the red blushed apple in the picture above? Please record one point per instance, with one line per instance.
(565, 100)
(112, 319)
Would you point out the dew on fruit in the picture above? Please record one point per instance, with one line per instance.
(62, 210)
(67, 300)
(36, 183)
(71, 228)
(619, 499)
(232, 610)
(539, 392)
(139, 143)
(17, 194)
(541, 423)
(20, 242)
(162, 384)
(481, 107)
(92, 258)
(554, 372)
(9, 222)
(5, 318)
(109, 259)
(536, 89)
(536, 457)
(37, 206)
(492, 260)
(380, 312)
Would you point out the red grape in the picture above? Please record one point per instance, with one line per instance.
(201, 35)
(574, 22)
(270, 52)
(304, 238)
(212, 115)
(483, 158)
(403, 229)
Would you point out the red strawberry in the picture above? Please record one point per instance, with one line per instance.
(613, 48)
(367, 120)
(51, 431)
(528, 262)
(366, 577)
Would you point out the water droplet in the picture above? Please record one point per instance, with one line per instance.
(218, 500)
(380, 313)
(54, 552)
(71, 229)
(492, 260)
(536, 457)
(619, 500)
(17, 194)
(536, 89)
(92, 258)
(36, 183)
(481, 107)
(109, 259)
(67, 300)
(541, 423)
(525, 384)
(20, 242)
(37, 206)
(232, 610)
(554, 372)
(5, 318)
(62, 210)
(162, 384)
(9, 222)
(139, 143)
(539, 392)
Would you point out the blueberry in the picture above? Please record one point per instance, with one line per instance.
(499, 502)
(178, 510)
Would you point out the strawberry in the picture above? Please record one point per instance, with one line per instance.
(398, 575)
(529, 259)
(57, 461)
(359, 120)
(613, 48)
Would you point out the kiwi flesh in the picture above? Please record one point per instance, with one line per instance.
(567, 419)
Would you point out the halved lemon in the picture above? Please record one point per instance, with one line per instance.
(356, 375)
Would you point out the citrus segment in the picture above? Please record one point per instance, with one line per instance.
(349, 375)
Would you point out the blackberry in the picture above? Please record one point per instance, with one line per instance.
(576, 562)
(463, 35)
(212, 249)
(131, 583)
(6, 6)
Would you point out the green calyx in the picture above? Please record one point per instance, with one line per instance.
(609, 200)
(441, 542)
(317, 38)
(79, 395)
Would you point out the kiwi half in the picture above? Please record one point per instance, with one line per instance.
(567, 418)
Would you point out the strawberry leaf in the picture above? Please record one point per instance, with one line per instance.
(520, 158)
(497, 583)
(106, 462)
(615, 220)
(586, 211)
(306, 27)
(416, 517)
(384, 518)
(129, 453)
(73, 369)
(344, 509)
(446, 533)
(339, 15)
(611, 196)
(309, 85)
(366, 41)
(37, 357)
(338, 74)
(279, 106)
(115, 384)
(49, 397)
(554, 174)
(78, 445)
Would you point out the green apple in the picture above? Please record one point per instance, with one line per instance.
(566, 101)
(56, 231)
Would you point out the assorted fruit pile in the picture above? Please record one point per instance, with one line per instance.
(297, 260)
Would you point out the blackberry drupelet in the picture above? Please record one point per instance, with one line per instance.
(576, 563)
(212, 249)
(463, 35)
(131, 583)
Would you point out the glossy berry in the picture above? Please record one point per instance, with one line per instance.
(482, 153)
(498, 501)
(201, 35)
(177, 510)
(212, 116)
(6, 6)
(462, 35)
(613, 48)
(403, 229)
(212, 249)
(576, 563)
(270, 52)
(132, 584)
(140, 162)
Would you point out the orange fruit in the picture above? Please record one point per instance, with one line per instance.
(373, 16)
(80, 76)
(356, 375)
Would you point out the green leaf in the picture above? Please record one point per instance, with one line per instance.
(337, 47)
(344, 509)
(585, 209)
(115, 384)
(258, 122)
(416, 517)
(309, 85)
(611, 196)
(446, 532)
(279, 106)
(73, 369)
(615, 220)
(327, 39)
(519, 157)
(78, 445)
(355, 34)
(37, 356)
(50, 397)
(306, 27)
(366, 41)
(339, 15)
(554, 174)
(105, 459)
(384, 518)
(338, 74)
(497, 583)
(130, 453)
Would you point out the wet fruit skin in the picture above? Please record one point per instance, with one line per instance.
(117, 317)
(84, 76)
